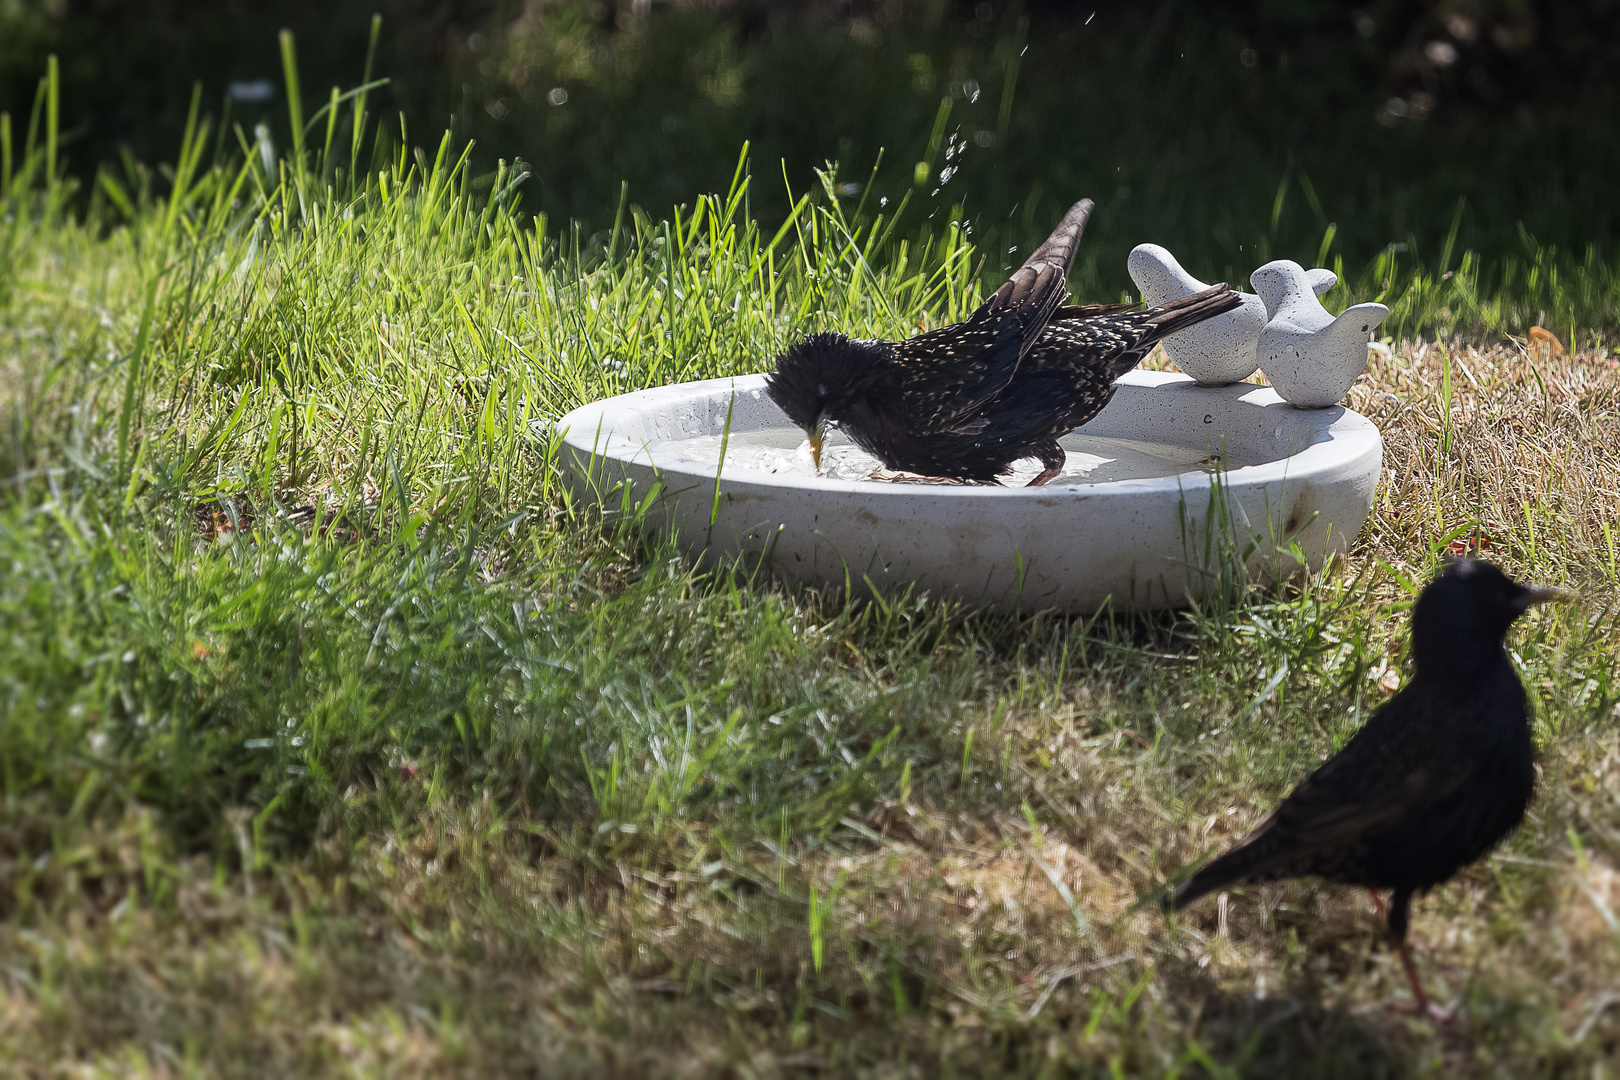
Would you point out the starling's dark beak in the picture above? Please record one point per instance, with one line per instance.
(1548, 594)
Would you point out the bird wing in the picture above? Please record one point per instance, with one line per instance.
(1396, 768)
(1091, 311)
(949, 374)
(1037, 289)
(1320, 817)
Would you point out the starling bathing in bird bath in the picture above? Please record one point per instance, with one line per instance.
(1438, 775)
(969, 400)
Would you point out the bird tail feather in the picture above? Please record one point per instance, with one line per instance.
(1200, 884)
(1255, 860)
(1166, 319)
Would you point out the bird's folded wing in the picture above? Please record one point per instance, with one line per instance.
(1312, 832)
(1335, 808)
(1395, 768)
(1090, 311)
(1316, 817)
(946, 376)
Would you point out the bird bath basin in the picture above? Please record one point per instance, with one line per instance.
(1167, 467)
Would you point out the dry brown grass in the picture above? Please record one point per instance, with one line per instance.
(1528, 453)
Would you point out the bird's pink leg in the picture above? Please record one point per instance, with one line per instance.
(1052, 461)
(1420, 1005)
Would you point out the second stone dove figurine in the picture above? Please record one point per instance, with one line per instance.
(1311, 357)
(1217, 351)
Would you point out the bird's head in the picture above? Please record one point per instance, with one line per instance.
(1463, 615)
(818, 380)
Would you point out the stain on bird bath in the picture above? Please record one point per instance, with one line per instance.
(1142, 486)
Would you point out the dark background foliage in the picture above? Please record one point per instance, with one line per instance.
(1231, 131)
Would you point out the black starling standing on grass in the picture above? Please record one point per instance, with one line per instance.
(966, 401)
(1431, 782)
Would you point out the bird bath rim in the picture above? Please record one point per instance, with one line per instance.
(1068, 545)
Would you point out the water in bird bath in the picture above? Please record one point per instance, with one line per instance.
(1092, 459)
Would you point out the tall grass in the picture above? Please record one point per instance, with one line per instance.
(334, 737)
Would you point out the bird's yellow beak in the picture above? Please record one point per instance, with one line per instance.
(818, 435)
(1550, 594)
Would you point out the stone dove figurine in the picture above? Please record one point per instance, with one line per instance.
(1217, 351)
(1310, 357)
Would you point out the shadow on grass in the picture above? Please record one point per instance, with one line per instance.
(1293, 1035)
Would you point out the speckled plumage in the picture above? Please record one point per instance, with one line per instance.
(969, 400)
(1434, 780)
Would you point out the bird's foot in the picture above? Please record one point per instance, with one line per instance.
(1420, 1005)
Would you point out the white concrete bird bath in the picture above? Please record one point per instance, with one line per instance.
(1127, 520)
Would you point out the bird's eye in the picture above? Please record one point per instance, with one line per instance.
(821, 389)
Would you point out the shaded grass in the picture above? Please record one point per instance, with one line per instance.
(1231, 134)
(337, 739)
(1185, 121)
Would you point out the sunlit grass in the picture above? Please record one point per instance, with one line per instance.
(336, 738)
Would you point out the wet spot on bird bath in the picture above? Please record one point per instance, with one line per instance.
(1300, 515)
